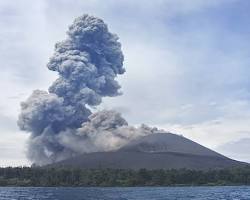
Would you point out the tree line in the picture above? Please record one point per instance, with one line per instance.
(38, 176)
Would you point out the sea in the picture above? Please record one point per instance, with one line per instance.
(125, 193)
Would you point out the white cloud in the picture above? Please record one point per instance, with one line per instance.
(12, 149)
(237, 149)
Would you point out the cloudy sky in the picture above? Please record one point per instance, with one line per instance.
(187, 66)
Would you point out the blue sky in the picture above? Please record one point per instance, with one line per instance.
(187, 66)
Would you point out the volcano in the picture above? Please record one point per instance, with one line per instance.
(155, 151)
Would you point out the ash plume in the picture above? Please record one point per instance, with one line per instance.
(59, 120)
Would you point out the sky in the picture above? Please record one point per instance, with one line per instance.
(187, 66)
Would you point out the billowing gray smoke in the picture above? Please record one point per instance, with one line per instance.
(60, 121)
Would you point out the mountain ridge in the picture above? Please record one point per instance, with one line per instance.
(155, 151)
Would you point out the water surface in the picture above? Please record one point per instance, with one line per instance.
(132, 193)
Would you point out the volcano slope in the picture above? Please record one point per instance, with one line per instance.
(155, 151)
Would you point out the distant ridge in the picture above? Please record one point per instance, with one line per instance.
(155, 151)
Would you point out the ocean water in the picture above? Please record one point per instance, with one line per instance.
(133, 193)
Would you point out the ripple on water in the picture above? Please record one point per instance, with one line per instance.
(132, 193)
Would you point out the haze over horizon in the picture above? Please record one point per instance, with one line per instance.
(188, 60)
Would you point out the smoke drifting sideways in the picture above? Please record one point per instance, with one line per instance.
(60, 121)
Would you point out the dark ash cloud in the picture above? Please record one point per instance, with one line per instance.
(60, 121)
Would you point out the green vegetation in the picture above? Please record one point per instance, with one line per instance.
(38, 176)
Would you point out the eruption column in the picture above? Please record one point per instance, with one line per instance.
(60, 122)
